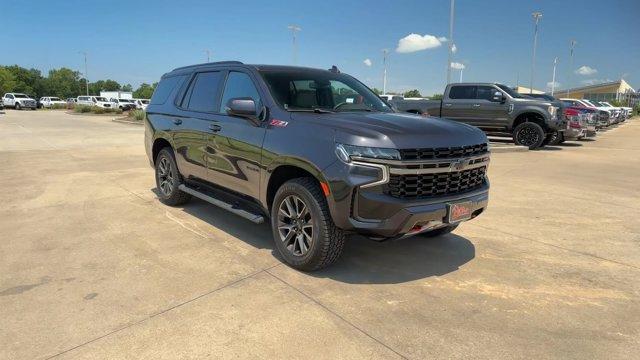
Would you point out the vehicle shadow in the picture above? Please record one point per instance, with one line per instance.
(570, 144)
(363, 261)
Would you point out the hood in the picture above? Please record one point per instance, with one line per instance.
(395, 130)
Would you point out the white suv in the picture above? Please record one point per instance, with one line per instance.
(49, 101)
(141, 103)
(19, 101)
(98, 101)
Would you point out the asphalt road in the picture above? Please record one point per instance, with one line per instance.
(93, 266)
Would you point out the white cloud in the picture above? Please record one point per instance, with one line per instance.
(442, 39)
(415, 42)
(550, 85)
(457, 66)
(585, 70)
(454, 48)
(367, 62)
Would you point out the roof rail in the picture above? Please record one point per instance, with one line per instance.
(210, 63)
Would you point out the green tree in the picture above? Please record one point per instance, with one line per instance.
(377, 91)
(7, 81)
(436, 97)
(63, 83)
(144, 91)
(103, 85)
(127, 87)
(412, 93)
(28, 81)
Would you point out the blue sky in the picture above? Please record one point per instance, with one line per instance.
(138, 41)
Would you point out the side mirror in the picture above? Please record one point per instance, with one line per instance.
(499, 97)
(243, 107)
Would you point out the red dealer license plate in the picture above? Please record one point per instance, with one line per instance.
(459, 212)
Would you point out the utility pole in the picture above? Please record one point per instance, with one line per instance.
(461, 70)
(553, 79)
(384, 74)
(572, 46)
(536, 17)
(208, 55)
(450, 42)
(86, 76)
(294, 29)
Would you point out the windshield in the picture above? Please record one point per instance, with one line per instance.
(20, 96)
(101, 99)
(509, 91)
(299, 90)
(145, 101)
(55, 99)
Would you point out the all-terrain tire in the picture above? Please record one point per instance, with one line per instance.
(327, 239)
(17, 106)
(441, 231)
(168, 179)
(557, 137)
(529, 134)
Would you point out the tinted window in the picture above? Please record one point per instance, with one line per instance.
(238, 85)
(203, 92)
(462, 92)
(485, 93)
(164, 89)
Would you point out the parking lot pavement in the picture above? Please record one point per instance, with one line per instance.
(93, 266)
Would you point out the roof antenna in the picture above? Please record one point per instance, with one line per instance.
(334, 69)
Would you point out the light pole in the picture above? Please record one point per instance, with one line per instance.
(461, 70)
(450, 42)
(208, 55)
(294, 29)
(384, 74)
(572, 46)
(86, 76)
(553, 78)
(536, 17)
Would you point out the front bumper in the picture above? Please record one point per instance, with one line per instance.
(374, 213)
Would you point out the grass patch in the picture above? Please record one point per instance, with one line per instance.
(137, 115)
(95, 110)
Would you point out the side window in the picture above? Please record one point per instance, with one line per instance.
(203, 92)
(164, 89)
(485, 93)
(238, 85)
(462, 92)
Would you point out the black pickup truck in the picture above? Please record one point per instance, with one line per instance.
(315, 152)
(494, 108)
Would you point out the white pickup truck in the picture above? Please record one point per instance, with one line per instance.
(19, 101)
(49, 101)
(98, 101)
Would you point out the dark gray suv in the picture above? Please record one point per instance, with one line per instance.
(314, 151)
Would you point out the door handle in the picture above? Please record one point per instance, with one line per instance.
(447, 104)
(215, 127)
(177, 121)
(476, 105)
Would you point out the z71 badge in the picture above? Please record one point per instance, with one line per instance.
(278, 123)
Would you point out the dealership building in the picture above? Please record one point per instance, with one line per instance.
(614, 90)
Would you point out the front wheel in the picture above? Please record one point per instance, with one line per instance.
(18, 106)
(557, 137)
(303, 230)
(529, 134)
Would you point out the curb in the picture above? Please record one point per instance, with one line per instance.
(127, 121)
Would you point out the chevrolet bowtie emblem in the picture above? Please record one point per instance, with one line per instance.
(458, 165)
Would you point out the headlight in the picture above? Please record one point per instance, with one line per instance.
(346, 152)
(552, 110)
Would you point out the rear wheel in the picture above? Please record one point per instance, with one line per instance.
(556, 138)
(304, 233)
(18, 106)
(168, 179)
(529, 134)
(441, 231)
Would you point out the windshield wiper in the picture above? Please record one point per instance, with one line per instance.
(315, 110)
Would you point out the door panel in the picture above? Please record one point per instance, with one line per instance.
(458, 104)
(490, 114)
(189, 138)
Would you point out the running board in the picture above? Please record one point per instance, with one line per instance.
(257, 219)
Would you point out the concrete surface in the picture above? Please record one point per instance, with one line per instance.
(93, 266)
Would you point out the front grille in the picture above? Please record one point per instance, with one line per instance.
(428, 185)
(443, 153)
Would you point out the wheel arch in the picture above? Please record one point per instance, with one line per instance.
(159, 144)
(285, 170)
(530, 116)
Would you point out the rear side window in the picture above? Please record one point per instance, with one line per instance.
(462, 92)
(164, 89)
(238, 85)
(203, 92)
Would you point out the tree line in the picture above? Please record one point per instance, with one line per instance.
(63, 83)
